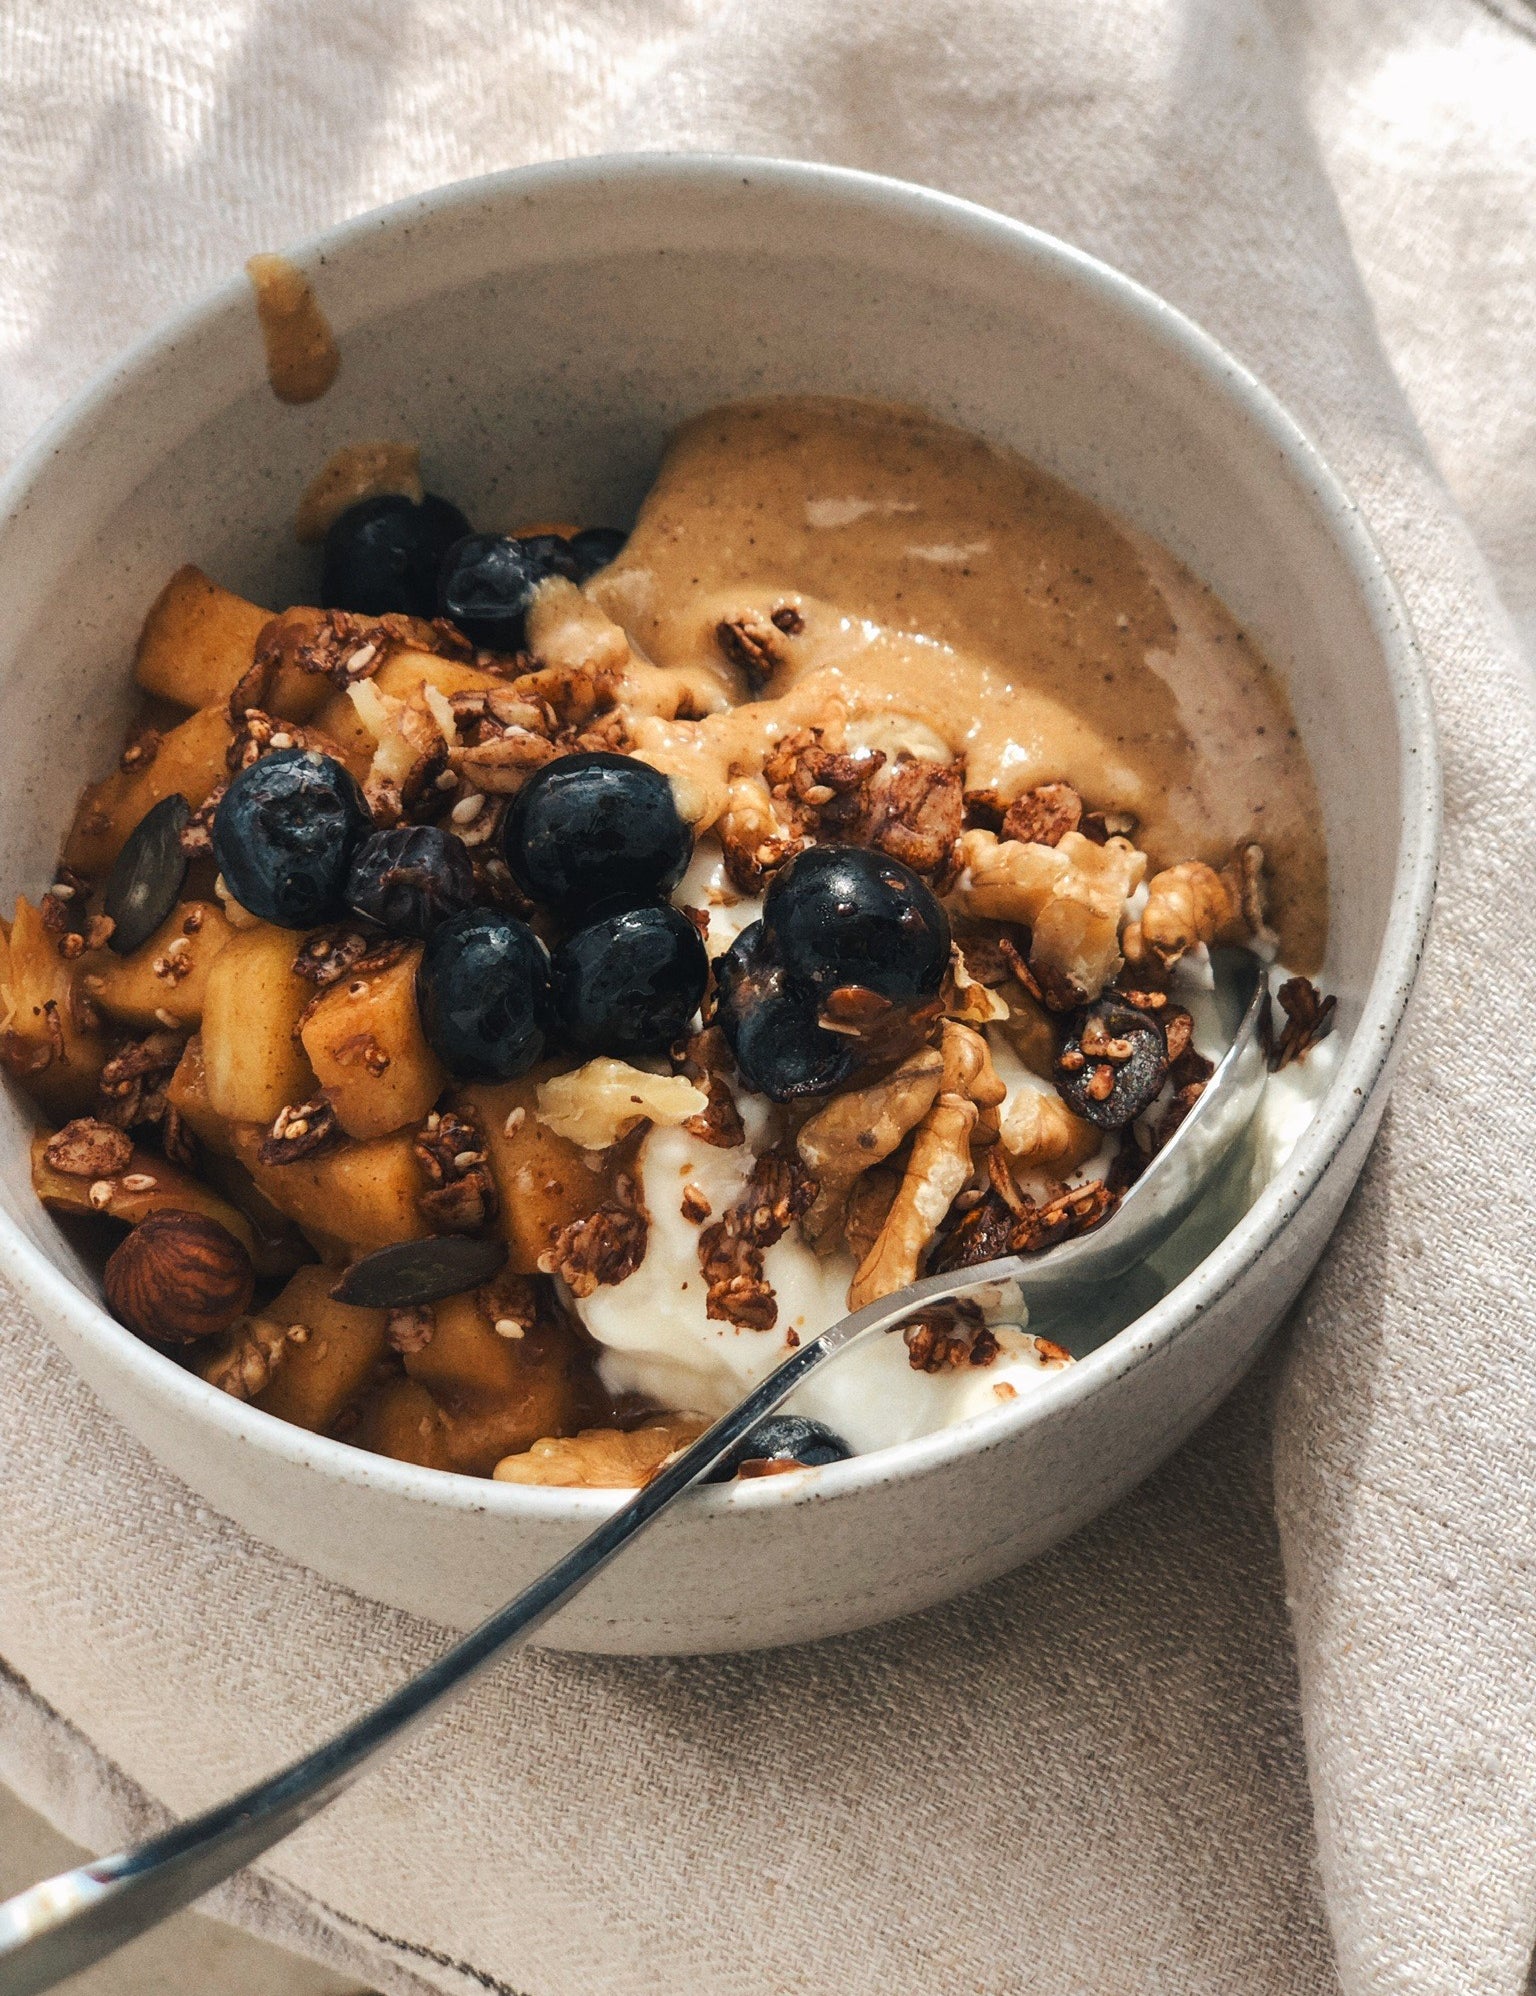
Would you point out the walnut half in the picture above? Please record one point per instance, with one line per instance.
(938, 1168)
(603, 1458)
(1071, 896)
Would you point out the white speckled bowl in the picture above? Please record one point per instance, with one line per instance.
(541, 332)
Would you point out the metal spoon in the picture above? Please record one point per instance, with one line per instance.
(63, 1924)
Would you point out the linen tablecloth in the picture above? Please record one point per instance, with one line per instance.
(1271, 1724)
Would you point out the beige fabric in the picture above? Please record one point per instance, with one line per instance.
(1089, 1777)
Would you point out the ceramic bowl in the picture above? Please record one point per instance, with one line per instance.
(541, 332)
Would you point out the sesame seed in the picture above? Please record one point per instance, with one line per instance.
(100, 1193)
(165, 1017)
(509, 1327)
(463, 1159)
(138, 1181)
(467, 809)
(514, 1119)
(447, 780)
(281, 740)
(62, 893)
(361, 659)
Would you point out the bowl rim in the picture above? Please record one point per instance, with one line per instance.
(1354, 1084)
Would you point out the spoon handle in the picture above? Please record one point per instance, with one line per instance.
(63, 1924)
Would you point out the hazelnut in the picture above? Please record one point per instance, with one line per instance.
(179, 1277)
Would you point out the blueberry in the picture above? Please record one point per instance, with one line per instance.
(596, 827)
(483, 994)
(629, 981)
(284, 835)
(770, 1021)
(487, 581)
(384, 553)
(782, 1438)
(594, 547)
(841, 915)
(411, 879)
(1134, 1080)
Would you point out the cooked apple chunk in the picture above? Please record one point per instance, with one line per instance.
(365, 1043)
(401, 1419)
(188, 761)
(543, 1182)
(347, 1198)
(499, 1390)
(187, 1093)
(142, 1183)
(252, 1063)
(197, 640)
(47, 1037)
(329, 1354)
(164, 982)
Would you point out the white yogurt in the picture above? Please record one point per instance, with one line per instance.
(658, 1340)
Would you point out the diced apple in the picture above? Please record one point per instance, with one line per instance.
(399, 676)
(280, 1246)
(327, 1371)
(365, 1043)
(397, 679)
(167, 978)
(349, 1199)
(401, 1419)
(251, 1005)
(42, 1043)
(187, 1093)
(499, 1394)
(543, 1181)
(148, 1184)
(341, 723)
(190, 760)
(197, 640)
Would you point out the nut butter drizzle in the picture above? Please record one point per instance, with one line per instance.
(302, 356)
(887, 571)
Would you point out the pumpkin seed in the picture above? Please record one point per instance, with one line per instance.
(142, 887)
(411, 1272)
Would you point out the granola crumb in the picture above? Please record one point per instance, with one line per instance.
(603, 1249)
(1309, 1018)
(777, 1192)
(87, 1148)
(301, 1130)
(460, 1195)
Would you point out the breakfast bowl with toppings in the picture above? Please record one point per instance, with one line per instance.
(578, 827)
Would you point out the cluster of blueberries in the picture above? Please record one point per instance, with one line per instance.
(389, 553)
(593, 839)
(846, 934)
